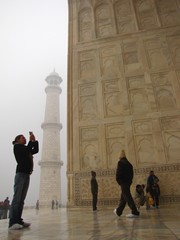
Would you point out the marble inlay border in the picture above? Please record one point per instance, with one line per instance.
(160, 169)
(114, 202)
(169, 199)
(109, 172)
(78, 176)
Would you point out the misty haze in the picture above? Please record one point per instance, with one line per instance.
(33, 43)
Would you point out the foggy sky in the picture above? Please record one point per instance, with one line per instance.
(33, 42)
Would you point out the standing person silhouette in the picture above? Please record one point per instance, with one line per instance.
(24, 158)
(94, 190)
(6, 207)
(152, 188)
(124, 177)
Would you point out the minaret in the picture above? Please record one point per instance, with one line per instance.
(50, 164)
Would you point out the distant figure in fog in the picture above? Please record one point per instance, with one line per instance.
(37, 205)
(1, 210)
(24, 158)
(52, 204)
(6, 208)
(94, 190)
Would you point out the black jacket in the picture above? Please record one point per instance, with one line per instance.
(94, 186)
(24, 158)
(151, 180)
(124, 172)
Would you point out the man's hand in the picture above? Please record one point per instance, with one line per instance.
(32, 137)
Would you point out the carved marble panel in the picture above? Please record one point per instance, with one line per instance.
(109, 61)
(171, 134)
(129, 46)
(89, 148)
(107, 188)
(144, 142)
(85, 25)
(112, 85)
(115, 130)
(165, 97)
(163, 90)
(178, 77)
(104, 21)
(145, 148)
(172, 144)
(157, 54)
(170, 123)
(146, 14)
(115, 141)
(90, 156)
(87, 101)
(81, 4)
(89, 134)
(87, 89)
(87, 65)
(87, 108)
(139, 101)
(142, 127)
(168, 12)
(131, 56)
(124, 17)
(136, 82)
(85, 188)
(161, 79)
(175, 78)
(114, 145)
(113, 104)
(138, 94)
(174, 44)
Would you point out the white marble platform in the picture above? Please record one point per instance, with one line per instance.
(83, 224)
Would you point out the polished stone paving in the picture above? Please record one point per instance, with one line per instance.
(83, 224)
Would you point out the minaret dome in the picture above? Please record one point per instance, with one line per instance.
(53, 79)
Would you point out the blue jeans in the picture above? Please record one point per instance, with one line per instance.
(21, 185)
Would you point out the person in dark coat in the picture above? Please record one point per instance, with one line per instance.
(94, 190)
(153, 188)
(124, 177)
(6, 208)
(24, 157)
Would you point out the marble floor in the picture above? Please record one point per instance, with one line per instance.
(83, 224)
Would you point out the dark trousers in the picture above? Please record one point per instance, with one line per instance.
(21, 185)
(155, 197)
(5, 215)
(126, 197)
(94, 201)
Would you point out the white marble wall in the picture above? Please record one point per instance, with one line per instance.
(123, 93)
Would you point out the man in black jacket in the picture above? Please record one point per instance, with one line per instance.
(24, 158)
(124, 176)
